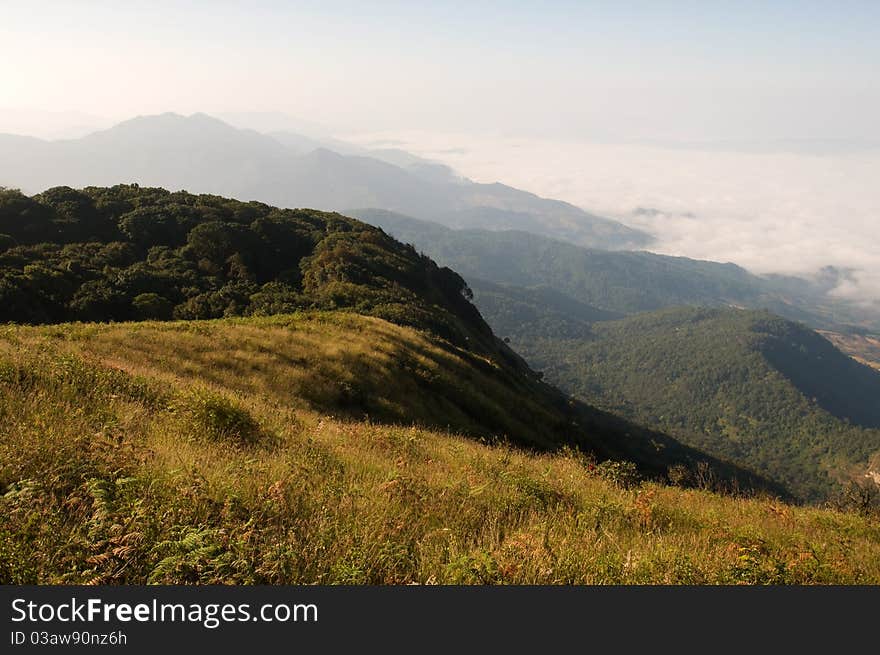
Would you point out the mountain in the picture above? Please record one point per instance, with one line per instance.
(620, 282)
(556, 303)
(205, 155)
(536, 311)
(746, 386)
(423, 169)
(128, 252)
(313, 448)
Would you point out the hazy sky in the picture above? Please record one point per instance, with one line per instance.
(678, 71)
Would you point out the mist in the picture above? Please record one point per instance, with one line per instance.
(772, 207)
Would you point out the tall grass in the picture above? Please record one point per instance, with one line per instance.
(210, 453)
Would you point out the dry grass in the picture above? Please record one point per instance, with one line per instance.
(206, 453)
(862, 348)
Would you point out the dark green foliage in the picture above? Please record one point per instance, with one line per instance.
(23, 219)
(152, 306)
(621, 473)
(845, 388)
(131, 253)
(748, 387)
(207, 414)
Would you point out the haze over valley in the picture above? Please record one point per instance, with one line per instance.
(785, 206)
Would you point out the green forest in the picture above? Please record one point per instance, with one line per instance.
(130, 253)
(746, 386)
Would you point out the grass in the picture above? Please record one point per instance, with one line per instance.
(862, 348)
(278, 451)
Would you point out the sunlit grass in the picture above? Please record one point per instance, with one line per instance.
(210, 453)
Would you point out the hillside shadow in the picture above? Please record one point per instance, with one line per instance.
(614, 437)
(464, 393)
(837, 383)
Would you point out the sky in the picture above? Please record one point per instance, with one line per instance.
(669, 71)
(751, 127)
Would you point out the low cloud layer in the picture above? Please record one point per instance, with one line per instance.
(777, 209)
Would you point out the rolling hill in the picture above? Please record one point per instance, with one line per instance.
(205, 155)
(746, 386)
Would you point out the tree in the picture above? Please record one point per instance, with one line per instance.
(148, 306)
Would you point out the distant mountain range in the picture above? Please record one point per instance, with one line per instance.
(202, 154)
(523, 265)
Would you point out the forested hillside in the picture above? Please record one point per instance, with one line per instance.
(802, 413)
(535, 311)
(746, 386)
(132, 253)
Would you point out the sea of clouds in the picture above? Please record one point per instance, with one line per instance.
(775, 208)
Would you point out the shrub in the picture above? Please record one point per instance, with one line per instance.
(863, 498)
(679, 475)
(152, 306)
(620, 473)
(213, 416)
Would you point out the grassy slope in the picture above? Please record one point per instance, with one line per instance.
(746, 386)
(204, 452)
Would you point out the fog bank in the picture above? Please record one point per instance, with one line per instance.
(772, 208)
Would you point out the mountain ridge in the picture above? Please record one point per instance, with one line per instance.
(624, 282)
(128, 253)
(203, 154)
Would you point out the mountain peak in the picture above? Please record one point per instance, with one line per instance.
(169, 121)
